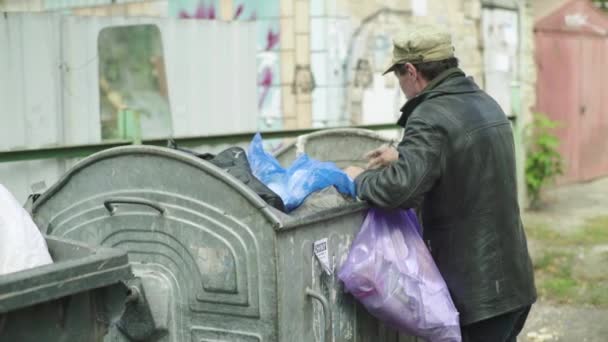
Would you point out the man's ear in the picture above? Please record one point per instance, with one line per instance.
(411, 70)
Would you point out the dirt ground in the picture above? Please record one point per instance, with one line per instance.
(568, 241)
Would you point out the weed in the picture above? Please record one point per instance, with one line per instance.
(543, 161)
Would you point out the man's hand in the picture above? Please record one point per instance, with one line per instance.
(353, 171)
(381, 157)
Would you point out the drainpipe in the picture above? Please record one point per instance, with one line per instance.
(518, 108)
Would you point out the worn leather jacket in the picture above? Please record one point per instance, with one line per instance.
(457, 163)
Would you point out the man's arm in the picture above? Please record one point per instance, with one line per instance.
(403, 183)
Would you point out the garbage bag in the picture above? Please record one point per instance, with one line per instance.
(234, 161)
(22, 246)
(303, 177)
(391, 272)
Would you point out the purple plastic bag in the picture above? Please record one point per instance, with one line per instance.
(391, 272)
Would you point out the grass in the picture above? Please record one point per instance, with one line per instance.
(598, 295)
(554, 277)
(594, 231)
(554, 269)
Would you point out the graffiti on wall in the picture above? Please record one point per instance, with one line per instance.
(193, 9)
(372, 97)
(267, 71)
(266, 14)
(351, 88)
(303, 80)
(349, 51)
(202, 11)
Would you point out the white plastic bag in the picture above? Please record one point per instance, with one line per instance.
(22, 246)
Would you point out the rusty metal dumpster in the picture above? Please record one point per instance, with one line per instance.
(215, 261)
(73, 299)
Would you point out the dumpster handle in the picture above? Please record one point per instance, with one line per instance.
(133, 294)
(326, 311)
(109, 204)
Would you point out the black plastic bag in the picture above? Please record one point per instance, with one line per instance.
(234, 161)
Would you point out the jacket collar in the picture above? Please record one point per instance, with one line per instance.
(451, 81)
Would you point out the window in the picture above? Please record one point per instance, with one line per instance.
(132, 83)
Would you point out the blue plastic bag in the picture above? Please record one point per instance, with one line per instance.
(391, 272)
(303, 177)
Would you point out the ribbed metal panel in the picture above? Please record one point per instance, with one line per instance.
(49, 89)
(67, 4)
(29, 97)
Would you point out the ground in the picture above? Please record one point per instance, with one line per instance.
(568, 241)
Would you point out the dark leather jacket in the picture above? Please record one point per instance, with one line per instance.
(457, 162)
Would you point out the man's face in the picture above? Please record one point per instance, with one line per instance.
(406, 75)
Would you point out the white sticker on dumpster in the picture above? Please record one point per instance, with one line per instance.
(322, 253)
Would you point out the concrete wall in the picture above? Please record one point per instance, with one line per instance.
(350, 45)
(325, 69)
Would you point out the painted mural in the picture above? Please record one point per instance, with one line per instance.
(193, 9)
(351, 88)
(349, 46)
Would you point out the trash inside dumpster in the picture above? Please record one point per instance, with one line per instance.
(211, 259)
(73, 299)
(234, 161)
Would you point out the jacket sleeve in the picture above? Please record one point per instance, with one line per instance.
(404, 183)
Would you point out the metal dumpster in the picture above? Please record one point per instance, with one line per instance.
(343, 146)
(215, 261)
(73, 299)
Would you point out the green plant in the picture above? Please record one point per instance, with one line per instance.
(543, 161)
(601, 4)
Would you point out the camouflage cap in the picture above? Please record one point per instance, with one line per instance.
(421, 43)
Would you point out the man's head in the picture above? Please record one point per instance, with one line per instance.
(420, 53)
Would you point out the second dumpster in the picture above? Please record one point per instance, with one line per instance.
(73, 299)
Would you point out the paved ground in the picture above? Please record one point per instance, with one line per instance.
(565, 211)
(566, 323)
(567, 207)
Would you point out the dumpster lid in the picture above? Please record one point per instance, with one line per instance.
(204, 168)
(154, 180)
(147, 179)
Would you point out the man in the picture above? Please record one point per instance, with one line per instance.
(456, 163)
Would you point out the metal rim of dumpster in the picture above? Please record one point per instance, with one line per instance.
(300, 143)
(207, 167)
(277, 219)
